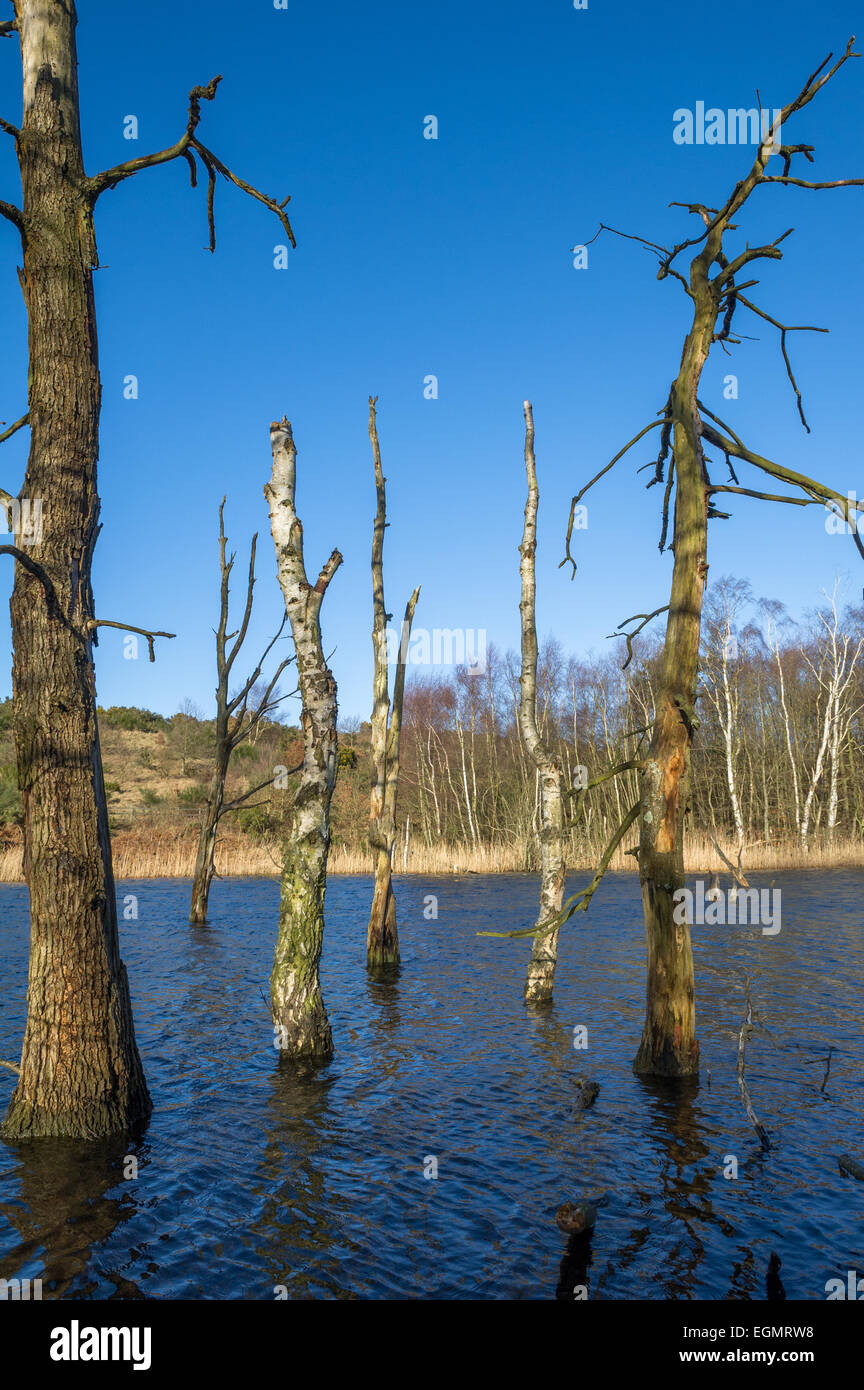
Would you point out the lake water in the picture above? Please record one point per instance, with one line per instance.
(256, 1173)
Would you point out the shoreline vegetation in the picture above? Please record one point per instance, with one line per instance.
(165, 855)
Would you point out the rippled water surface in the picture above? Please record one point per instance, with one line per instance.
(256, 1173)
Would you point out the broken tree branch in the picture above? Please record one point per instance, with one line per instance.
(92, 623)
(188, 142)
(580, 901)
(742, 1081)
(13, 429)
(629, 636)
(655, 424)
(784, 329)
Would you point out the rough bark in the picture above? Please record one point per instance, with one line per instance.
(544, 948)
(299, 1017)
(382, 938)
(668, 1045)
(80, 1071)
(81, 1074)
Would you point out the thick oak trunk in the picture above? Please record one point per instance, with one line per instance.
(80, 1070)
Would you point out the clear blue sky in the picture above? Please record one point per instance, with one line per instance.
(447, 257)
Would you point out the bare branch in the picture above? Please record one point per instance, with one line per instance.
(805, 183)
(92, 623)
(577, 499)
(111, 177)
(238, 801)
(183, 149)
(652, 245)
(618, 770)
(646, 619)
(247, 612)
(12, 214)
(271, 203)
(243, 695)
(13, 429)
(39, 573)
(581, 900)
(843, 506)
(766, 496)
(751, 253)
(736, 873)
(742, 1083)
(784, 329)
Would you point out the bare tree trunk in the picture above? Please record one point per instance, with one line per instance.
(205, 858)
(544, 947)
(299, 1017)
(235, 721)
(81, 1074)
(668, 1041)
(382, 939)
(669, 1045)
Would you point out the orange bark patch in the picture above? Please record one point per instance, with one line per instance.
(672, 774)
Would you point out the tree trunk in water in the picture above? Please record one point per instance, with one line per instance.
(544, 949)
(669, 1046)
(80, 1070)
(299, 1017)
(382, 938)
(205, 858)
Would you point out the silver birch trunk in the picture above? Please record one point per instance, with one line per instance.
(544, 949)
(299, 1018)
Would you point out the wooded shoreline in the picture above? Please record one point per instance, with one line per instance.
(145, 858)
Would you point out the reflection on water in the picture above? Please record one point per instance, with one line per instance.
(258, 1177)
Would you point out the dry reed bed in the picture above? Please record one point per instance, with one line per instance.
(171, 856)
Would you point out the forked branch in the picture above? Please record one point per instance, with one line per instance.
(183, 149)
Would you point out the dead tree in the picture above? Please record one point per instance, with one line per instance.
(713, 286)
(237, 719)
(382, 940)
(80, 1073)
(715, 290)
(544, 947)
(299, 1017)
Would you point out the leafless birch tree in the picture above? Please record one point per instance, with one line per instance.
(544, 946)
(299, 1017)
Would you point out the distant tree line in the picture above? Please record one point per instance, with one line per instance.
(776, 757)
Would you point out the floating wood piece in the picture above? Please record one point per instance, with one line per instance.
(851, 1166)
(575, 1218)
